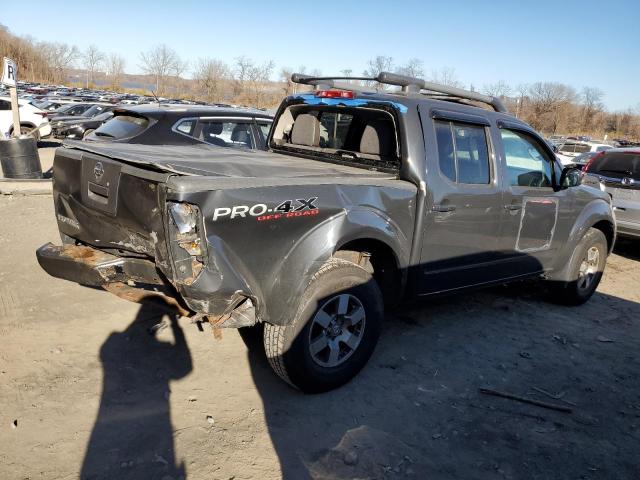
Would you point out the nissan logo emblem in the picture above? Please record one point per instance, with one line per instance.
(98, 170)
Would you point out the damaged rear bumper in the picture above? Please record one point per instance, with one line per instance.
(134, 279)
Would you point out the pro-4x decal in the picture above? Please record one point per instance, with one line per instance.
(299, 207)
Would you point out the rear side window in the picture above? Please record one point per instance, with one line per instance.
(574, 148)
(463, 154)
(527, 162)
(223, 133)
(618, 165)
(123, 126)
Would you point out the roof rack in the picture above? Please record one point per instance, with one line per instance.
(409, 85)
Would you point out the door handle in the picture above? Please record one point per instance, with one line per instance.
(512, 207)
(443, 208)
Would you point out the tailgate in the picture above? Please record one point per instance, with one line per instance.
(110, 204)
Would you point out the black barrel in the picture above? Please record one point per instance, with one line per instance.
(19, 158)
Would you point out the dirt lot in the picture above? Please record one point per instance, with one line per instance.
(86, 391)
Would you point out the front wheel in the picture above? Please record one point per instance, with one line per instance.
(585, 270)
(334, 331)
(26, 130)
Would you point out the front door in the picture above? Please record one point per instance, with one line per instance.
(535, 209)
(462, 239)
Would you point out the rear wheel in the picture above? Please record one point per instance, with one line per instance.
(334, 331)
(585, 269)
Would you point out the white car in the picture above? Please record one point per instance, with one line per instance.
(569, 149)
(31, 117)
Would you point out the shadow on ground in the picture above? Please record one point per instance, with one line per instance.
(132, 436)
(628, 248)
(416, 411)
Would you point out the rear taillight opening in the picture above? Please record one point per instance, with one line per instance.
(42, 114)
(334, 94)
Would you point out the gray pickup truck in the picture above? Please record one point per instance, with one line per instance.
(366, 197)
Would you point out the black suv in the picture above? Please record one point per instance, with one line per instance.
(180, 125)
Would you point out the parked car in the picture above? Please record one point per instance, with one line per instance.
(92, 111)
(69, 109)
(180, 125)
(583, 159)
(617, 172)
(568, 150)
(364, 199)
(32, 119)
(78, 129)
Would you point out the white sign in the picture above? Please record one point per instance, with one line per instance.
(9, 72)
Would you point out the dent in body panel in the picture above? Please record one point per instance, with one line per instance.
(538, 220)
(271, 262)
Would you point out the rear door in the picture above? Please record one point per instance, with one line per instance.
(462, 235)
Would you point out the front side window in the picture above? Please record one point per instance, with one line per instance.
(463, 154)
(527, 162)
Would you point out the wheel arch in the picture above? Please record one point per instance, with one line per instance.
(609, 230)
(385, 264)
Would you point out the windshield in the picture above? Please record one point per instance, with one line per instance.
(103, 116)
(64, 108)
(618, 165)
(122, 126)
(95, 110)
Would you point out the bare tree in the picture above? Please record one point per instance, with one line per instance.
(380, 63)
(285, 77)
(446, 76)
(242, 67)
(250, 79)
(115, 69)
(375, 66)
(591, 105)
(547, 100)
(347, 72)
(61, 57)
(499, 89)
(413, 68)
(93, 59)
(160, 62)
(212, 75)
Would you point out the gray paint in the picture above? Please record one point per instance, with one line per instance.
(272, 260)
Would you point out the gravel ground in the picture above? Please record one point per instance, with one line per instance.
(86, 391)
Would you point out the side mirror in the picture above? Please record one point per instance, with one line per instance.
(570, 177)
(554, 148)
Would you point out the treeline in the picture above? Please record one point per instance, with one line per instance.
(550, 107)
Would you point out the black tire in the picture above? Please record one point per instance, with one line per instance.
(88, 132)
(288, 346)
(27, 130)
(583, 282)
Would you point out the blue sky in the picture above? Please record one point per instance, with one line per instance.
(580, 43)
